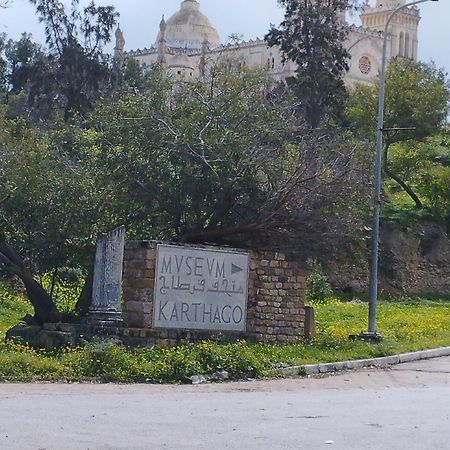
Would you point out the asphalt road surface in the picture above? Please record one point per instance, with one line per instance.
(405, 407)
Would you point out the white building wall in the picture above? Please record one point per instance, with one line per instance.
(364, 44)
(257, 55)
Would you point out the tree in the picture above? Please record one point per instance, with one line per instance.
(3, 64)
(39, 183)
(44, 307)
(48, 211)
(207, 162)
(312, 35)
(17, 61)
(72, 75)
(425, 166)
(417, 97)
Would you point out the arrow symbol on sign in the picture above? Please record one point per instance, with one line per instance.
(235, 269)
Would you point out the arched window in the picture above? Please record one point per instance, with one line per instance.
(407, 51)
(273, 63)
(401, 46)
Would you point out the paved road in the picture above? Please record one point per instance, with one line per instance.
(406, 407)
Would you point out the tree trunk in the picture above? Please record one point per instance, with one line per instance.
(398, 180)
(85, 300)
(45, 310)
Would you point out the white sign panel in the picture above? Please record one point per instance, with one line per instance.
(201, 289)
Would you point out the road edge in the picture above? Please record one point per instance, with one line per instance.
(314, 369)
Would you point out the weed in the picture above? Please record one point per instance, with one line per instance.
(408, 324)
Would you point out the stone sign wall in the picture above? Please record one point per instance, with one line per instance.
(178, 292)
(200, 289)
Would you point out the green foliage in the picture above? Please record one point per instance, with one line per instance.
(65, 286)
(17, 59)
(101, 361)
(417, 96)
(400, 210)
(318, 288)
(425, 165)
(13, 307)
(406, 322)
(196, 157)
(237, 359)
(105, 361)
(22, 363)
(47, 205)
(71, 76)
(195, 161)
(127, 72)
(67, 78)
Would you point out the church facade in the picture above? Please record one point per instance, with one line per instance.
(188, 43)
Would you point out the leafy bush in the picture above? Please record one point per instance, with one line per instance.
(318, 288)
(103, 361)
(238, 359)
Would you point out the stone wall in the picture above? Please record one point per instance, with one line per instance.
(275, 310)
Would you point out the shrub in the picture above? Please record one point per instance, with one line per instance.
(178, 364)
(318, 288)
(103, 361)
(21, 363)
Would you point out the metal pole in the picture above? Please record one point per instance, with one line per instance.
(372, 332)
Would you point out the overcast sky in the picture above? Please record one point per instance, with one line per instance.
(251, 18)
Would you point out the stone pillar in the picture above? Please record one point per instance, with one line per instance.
(310, 322)
(107, 289)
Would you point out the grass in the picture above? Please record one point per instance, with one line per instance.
(408, 324)
(12, 308)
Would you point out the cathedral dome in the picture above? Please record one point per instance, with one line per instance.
(189, 27)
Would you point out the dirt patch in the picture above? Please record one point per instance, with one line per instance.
(413, 259)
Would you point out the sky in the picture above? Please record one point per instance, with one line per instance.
(139, 20)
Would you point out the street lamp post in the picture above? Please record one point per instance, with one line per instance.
(372, 329)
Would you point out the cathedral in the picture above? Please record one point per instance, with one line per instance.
(188, 43)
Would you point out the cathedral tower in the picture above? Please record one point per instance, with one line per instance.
(403, 29)
(162, 43)
(120, 43)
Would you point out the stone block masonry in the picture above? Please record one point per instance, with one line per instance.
(275, 307)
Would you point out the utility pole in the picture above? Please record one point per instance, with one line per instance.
(372, 334)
